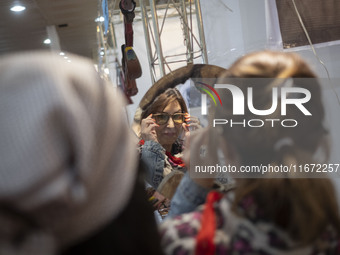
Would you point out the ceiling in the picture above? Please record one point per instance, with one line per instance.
(74, 22)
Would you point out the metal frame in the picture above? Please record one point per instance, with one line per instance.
(153, 18)
(155, 52)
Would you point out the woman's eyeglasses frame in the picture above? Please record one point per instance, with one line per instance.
(168, 116)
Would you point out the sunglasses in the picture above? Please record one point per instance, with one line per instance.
(163, 118)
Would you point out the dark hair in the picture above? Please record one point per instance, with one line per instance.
(133, 231)
(164, 99)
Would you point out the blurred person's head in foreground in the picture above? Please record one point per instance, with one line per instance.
(68, 173)
(302, 205)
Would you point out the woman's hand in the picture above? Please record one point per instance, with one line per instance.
(191, 123)
(148, 129)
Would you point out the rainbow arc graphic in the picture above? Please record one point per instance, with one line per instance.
(209, 93)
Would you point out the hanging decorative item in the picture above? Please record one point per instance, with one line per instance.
(130, 63)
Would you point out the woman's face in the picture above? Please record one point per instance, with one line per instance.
(169, 132)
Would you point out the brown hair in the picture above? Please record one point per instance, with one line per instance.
(302, 207)
(164, 99)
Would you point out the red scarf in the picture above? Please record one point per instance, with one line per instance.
(205, 237)
(174, 160)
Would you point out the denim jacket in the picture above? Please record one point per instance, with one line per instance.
(153, 156)
(188, 194)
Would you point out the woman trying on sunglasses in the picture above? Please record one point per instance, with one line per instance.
(162, 125)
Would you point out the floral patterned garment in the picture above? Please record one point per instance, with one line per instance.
(237, 235)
